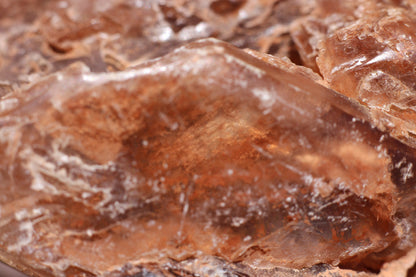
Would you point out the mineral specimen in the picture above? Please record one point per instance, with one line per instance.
(42, 36)
(250, 164)
(366, 50)
(124, 155)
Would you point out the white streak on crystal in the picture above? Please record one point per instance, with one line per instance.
(383, 57)
(349, 65)
(25, 238)
(238, 221)
(258, 72)
(407, 172)
(265, 96)
(247, 238)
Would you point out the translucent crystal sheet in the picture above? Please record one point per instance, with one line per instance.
(209, 157)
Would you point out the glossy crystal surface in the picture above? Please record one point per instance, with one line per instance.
(42, 36)
(366, 50)
(248, 164)
(124, 155)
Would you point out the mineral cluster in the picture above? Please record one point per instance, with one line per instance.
(208, 138)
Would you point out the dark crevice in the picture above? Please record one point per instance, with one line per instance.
(57, 49)
(176, 19)
(412, 271)
(222, 7)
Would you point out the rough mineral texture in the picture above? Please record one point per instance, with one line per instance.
(366, 50)
(249, 164)
(39, 37)
(128, 147)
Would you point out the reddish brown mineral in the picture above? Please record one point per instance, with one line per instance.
(123, 172)
(42, 36)
(209, 160)
(366, 50)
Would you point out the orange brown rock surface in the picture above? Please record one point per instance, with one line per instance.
(207, 138)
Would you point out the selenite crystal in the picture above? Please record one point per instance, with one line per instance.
(366, 50)
(206, 152)
(131, 144)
